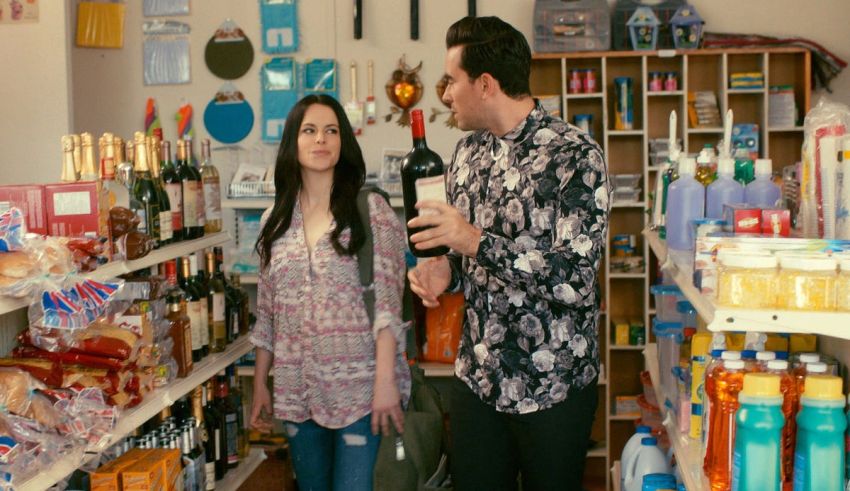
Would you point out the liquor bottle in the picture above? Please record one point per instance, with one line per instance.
(193, 307)
(174, 190)
(193, 164)
(197, 453)
(231, 420)
(231, 304)
(422, 179)
(69, 174)
(88, 169)
(116, 194)
(191, 184)
(212, 190)
(244, 304)
(216, 429)
(144, 200)
(209, 433)
(203, 290)
(190, 471)
(182, 409)
(218, 326)
(166, 222)
(181, 325)
(236, 400)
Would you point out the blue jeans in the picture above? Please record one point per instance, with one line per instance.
(333, 460)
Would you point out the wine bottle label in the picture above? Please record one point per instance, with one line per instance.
(205, 322)
(189, 474)
(166, 232)
(200, 206)
(175, 198)
(431, 189)
(217, 435)
(210, 468)
(190, 203)
(212, 198)
(218, 307)
(232, 439)
(143, 221)
(194, 312)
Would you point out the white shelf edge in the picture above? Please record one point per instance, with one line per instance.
(435, 369)
(624, 417)
(746, 91)
(625, 132)
(598, 450)
(113, 269)
(628, 204)
(688, 453)
(235, 477)
(627, 275)
(627, 347)
(698, 131)
(781, 129)
(247, 203)
(152, 404)
(592, 95)
(663, 93)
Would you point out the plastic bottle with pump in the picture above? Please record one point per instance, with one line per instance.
(758, 435)
(706, 170)
(724, 190)
(659, 204)
(729, 382)
(819, 454)
(763, 192)
(630, 451)
(685, 202)
(790, 401)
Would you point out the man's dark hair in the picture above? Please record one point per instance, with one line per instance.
(491, 45)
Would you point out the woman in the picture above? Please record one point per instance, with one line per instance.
(338, 381)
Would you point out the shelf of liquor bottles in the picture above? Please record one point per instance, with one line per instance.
(115, 268)
(152, 405)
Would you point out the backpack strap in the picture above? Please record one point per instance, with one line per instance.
(366, 253)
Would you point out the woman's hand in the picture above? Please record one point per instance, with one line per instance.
(386, 407)
(429, 279)
(261, 402)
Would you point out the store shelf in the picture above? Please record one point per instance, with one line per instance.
(663, 93)
(688, 452)
(153, 403)
(704, 130)
(433, 369)
(235, 477)
(760, 90)
(598, 451)
(248, 278)
(624, 417)
(717, 318)
(654, 168)
(591, 95)
(113, 269)
(247, 203)
(626, 347)
(786, 129)
(627, 275)
(625, 132)
(628, 204)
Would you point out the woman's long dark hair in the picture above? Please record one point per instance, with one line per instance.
(349, 176)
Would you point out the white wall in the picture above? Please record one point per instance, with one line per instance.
(108, 93)
(35, 102)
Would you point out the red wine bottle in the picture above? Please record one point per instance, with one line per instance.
(422, 179)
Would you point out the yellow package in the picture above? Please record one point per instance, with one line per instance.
(804, 343)
(621, 332)
(735, 341)
(776, 343)
(100, 25)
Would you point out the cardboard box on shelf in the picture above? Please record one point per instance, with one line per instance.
(74, 210)
(626, 406)
(30, 199)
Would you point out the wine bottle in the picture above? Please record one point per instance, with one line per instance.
(166, 223)
(216, 428)
(145, 200)
(190, 186)
(212, 190)
(181, 325)
(422, 179)
(236, 400)
(207, 422)
(193, 164)
(218, 327)
(231, 420)
(174, 190)
(116, 194)
(244, 304)
(189, 461)
(193, 307)
(203, 290)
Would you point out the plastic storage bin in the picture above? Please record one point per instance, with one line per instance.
(747, 280)
(571, 25)
(668, 336)
(687, 313)
(629, 181)
(806, 282)
(666, 298)
(625, 195)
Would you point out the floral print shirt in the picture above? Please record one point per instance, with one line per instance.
(311, 317)
(540, 196)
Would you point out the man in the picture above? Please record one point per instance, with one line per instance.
(526, 222)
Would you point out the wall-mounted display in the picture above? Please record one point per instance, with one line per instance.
(228, 117)
(279, 26)
(404, 90)
(229, 53)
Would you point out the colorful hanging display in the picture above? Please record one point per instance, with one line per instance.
(404, 90)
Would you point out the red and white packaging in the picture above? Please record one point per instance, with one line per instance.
(29, 198)
(73, 209)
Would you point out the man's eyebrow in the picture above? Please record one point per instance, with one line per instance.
(447, 76)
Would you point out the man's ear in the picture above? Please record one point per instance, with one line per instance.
(489, 85)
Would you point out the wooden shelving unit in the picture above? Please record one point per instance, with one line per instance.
(627, 152)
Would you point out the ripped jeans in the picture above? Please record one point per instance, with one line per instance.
(333, 459)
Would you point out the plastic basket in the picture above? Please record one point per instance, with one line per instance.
(253, 189)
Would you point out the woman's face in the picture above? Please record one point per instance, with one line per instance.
(318, 139)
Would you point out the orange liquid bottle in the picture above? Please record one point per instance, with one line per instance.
(721, 441)
(790, 406)
(712, 372)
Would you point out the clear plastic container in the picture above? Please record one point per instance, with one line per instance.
(842, 285)
(573, 25)
(688, 313)
(630, 181)
(625, 195)
(807, 282)
(668, 336)
(666, 298)
(747, 281)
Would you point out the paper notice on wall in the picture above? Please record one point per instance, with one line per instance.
(18, 11)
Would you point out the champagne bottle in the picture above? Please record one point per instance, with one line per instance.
(69, 174)
(203, 290)
(116, 194)
(190, 185)
(193, 307)
(166, 222)
(212, 190)
(88, 169)
(422, 179)
(174, 190)
(145, 200)
(218, 327)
